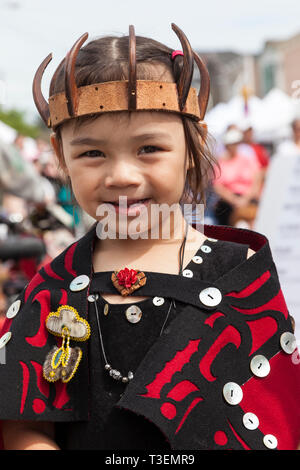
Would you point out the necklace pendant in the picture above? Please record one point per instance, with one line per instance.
(127, 280)
(116, 374)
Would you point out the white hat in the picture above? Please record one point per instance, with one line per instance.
(233, 136)
(245, 125)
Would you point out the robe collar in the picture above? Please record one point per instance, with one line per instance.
(76, 261)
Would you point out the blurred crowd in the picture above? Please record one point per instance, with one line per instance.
(32, 182)
(241, 172)
(38, 215)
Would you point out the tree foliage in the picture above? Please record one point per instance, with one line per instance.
(17, 120)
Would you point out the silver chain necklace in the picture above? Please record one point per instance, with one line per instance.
(115, 373)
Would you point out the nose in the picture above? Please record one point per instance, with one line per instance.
(122, 174)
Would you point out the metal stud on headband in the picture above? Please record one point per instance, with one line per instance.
(125, 95)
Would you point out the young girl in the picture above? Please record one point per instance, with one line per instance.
(137, 342)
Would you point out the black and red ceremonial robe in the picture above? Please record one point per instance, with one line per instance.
(201, 382)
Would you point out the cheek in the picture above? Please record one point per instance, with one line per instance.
(170, 177)
(84, 182)
(83, 174)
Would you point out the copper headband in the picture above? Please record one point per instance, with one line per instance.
(126, 95)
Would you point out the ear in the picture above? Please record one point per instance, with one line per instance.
(191, 164)
(57, 147)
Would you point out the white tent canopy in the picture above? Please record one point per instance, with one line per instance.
(270, 117)
(7, 134)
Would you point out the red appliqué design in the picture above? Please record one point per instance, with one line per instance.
(182, 387)
(40, 300)
(127, 277)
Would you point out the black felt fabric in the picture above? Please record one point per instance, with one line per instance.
(126, 345)
(86, 416)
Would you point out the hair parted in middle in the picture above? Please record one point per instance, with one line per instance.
(106, 59)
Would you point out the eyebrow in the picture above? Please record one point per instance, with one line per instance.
(92, 141)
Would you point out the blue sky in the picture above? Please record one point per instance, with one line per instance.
(30, 29)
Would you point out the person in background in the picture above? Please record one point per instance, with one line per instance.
(19, 143)
(19, 177)
(292, 146)
(260, 151)
(27, 147)
(243, 147)
(236, 185)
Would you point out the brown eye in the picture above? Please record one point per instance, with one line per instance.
(92, 154)
(150, 149)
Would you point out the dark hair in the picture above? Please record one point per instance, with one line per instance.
(106, 59)
(295, 122)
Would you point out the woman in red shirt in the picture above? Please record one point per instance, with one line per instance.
(236, 185)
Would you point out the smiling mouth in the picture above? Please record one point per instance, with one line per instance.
(129, 202)
(130, 207)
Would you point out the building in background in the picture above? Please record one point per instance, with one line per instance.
(225, 70)
(276, 66)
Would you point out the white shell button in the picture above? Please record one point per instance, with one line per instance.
(158, 301)
(211, 296)
(4, 339)
(13, 309)
(79, 283)
(187, 273)
(288, 342)
(232, 393)
(93, 297)
(133, 314)
(270, 441)
(250, 421)
(260, 366)
(197, 259)
(205, 249)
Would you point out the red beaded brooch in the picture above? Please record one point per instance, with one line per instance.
(127, 280)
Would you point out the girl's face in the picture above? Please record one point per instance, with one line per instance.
(141, 155)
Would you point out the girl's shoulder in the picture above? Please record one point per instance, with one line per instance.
(216, 256)
(33, 333)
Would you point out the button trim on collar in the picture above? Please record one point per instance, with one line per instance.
(187, 273)
(205, 249)
(270, 441)
(4, 339)
(13, 309)
(211, 296)
(79, 283)
(232, 393)
(288, 342)
(260, 366)
(250, 421)
(197, 259)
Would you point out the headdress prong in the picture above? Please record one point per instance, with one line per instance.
(40, 102)
(186, 76)
(132, 70)
(203, 95)
(70, 82)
